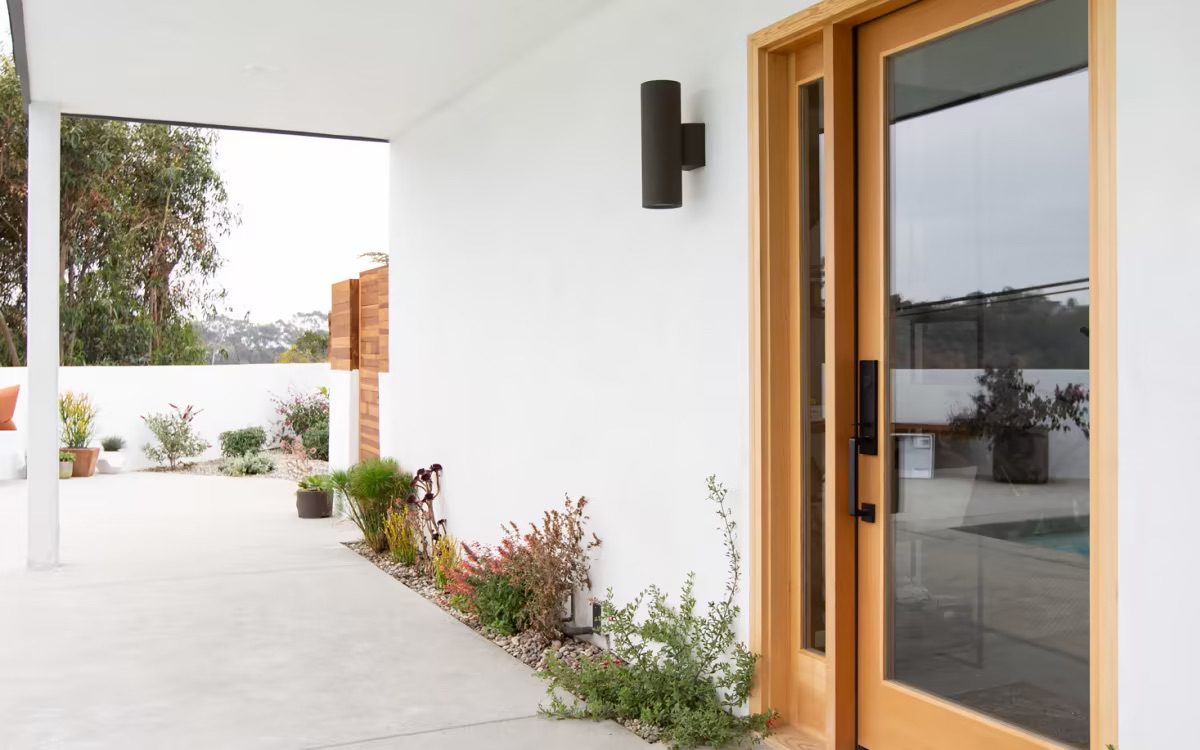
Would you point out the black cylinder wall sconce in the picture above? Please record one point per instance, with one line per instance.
(669, 147)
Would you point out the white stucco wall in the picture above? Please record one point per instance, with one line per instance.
(230, 397)
(557, 337)
(343, 418)
(1158, 241)
(576, 342)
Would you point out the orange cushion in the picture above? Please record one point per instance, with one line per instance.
(8, 406)
(8, 426)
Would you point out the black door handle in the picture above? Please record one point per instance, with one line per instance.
(866, 511)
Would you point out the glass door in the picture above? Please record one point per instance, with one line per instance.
(973, 297)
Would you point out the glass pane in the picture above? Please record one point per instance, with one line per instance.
(812, 301)
(988, 357)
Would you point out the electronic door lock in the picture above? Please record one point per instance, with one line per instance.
(866, 441)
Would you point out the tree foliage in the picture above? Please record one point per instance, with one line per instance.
(310, 346)
(142, 207)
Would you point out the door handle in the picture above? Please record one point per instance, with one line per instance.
(866, 511)
(866, 439)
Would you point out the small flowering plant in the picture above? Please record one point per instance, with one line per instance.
(670, 664)
(299, 412)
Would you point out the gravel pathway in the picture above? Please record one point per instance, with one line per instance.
(287, 466)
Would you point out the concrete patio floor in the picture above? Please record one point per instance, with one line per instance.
(199, 612)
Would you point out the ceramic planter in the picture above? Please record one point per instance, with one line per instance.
(1021, 457)
(85, 460)
(111, 462)
(65, 468)
(313, 504)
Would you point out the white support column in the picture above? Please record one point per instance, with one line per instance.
(43, 333)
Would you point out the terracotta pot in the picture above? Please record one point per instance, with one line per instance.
(313, 504)
(65, 468)
(85, 460)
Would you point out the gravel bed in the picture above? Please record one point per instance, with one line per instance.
(287, 466)
(529, 647)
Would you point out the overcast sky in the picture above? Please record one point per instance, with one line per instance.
(308, 207)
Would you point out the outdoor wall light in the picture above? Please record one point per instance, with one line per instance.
(669, 147)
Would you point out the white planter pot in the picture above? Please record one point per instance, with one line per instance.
(111, 462)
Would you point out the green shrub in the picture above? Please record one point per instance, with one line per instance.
(176, 437)
(677, 669)
(64, 457)
(316, 441)
(77, 419)
(247, 464)
(370, 488)
(236, 443)
(480, 584)
(112, 443)
(500, 604)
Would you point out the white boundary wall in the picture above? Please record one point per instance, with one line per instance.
(230, 396)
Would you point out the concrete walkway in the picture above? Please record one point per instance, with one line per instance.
(199, 612)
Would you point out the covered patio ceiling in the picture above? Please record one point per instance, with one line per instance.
(355, 68)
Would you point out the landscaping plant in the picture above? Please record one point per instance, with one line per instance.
(676, 668)
(550, 562)
(481, 586)
(370, 488)
(316, 440)
(300, 412)
(236, 443)
(247, 465)
(428, 528)
(112, 443)
(321, 482)
(177, 439)
(445, 560)
(400, 530)
(77, 418)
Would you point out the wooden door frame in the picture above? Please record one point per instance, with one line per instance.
(816, 694)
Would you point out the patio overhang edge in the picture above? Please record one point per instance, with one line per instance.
(16, 23)
(218, 126)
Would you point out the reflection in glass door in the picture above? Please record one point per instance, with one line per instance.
(987, 351)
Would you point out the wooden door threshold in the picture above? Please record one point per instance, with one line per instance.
(792, 738)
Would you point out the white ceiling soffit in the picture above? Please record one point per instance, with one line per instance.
(350, 68)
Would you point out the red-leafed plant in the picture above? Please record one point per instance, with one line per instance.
(550, 561)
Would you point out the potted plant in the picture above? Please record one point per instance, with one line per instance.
(112, 460)
(1016, 421)
(66, 464)
(313, 497)
(77, 418)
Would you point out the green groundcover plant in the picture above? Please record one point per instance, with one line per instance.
(674, 667)
(247, 464)
(240, 442)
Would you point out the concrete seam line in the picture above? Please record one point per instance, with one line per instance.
(200, 577)
(420, 732)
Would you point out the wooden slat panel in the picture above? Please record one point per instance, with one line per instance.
(372, 350)
(343, 325)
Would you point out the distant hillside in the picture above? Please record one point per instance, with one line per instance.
(234, 341)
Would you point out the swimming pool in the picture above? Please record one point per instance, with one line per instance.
(1064, 534)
